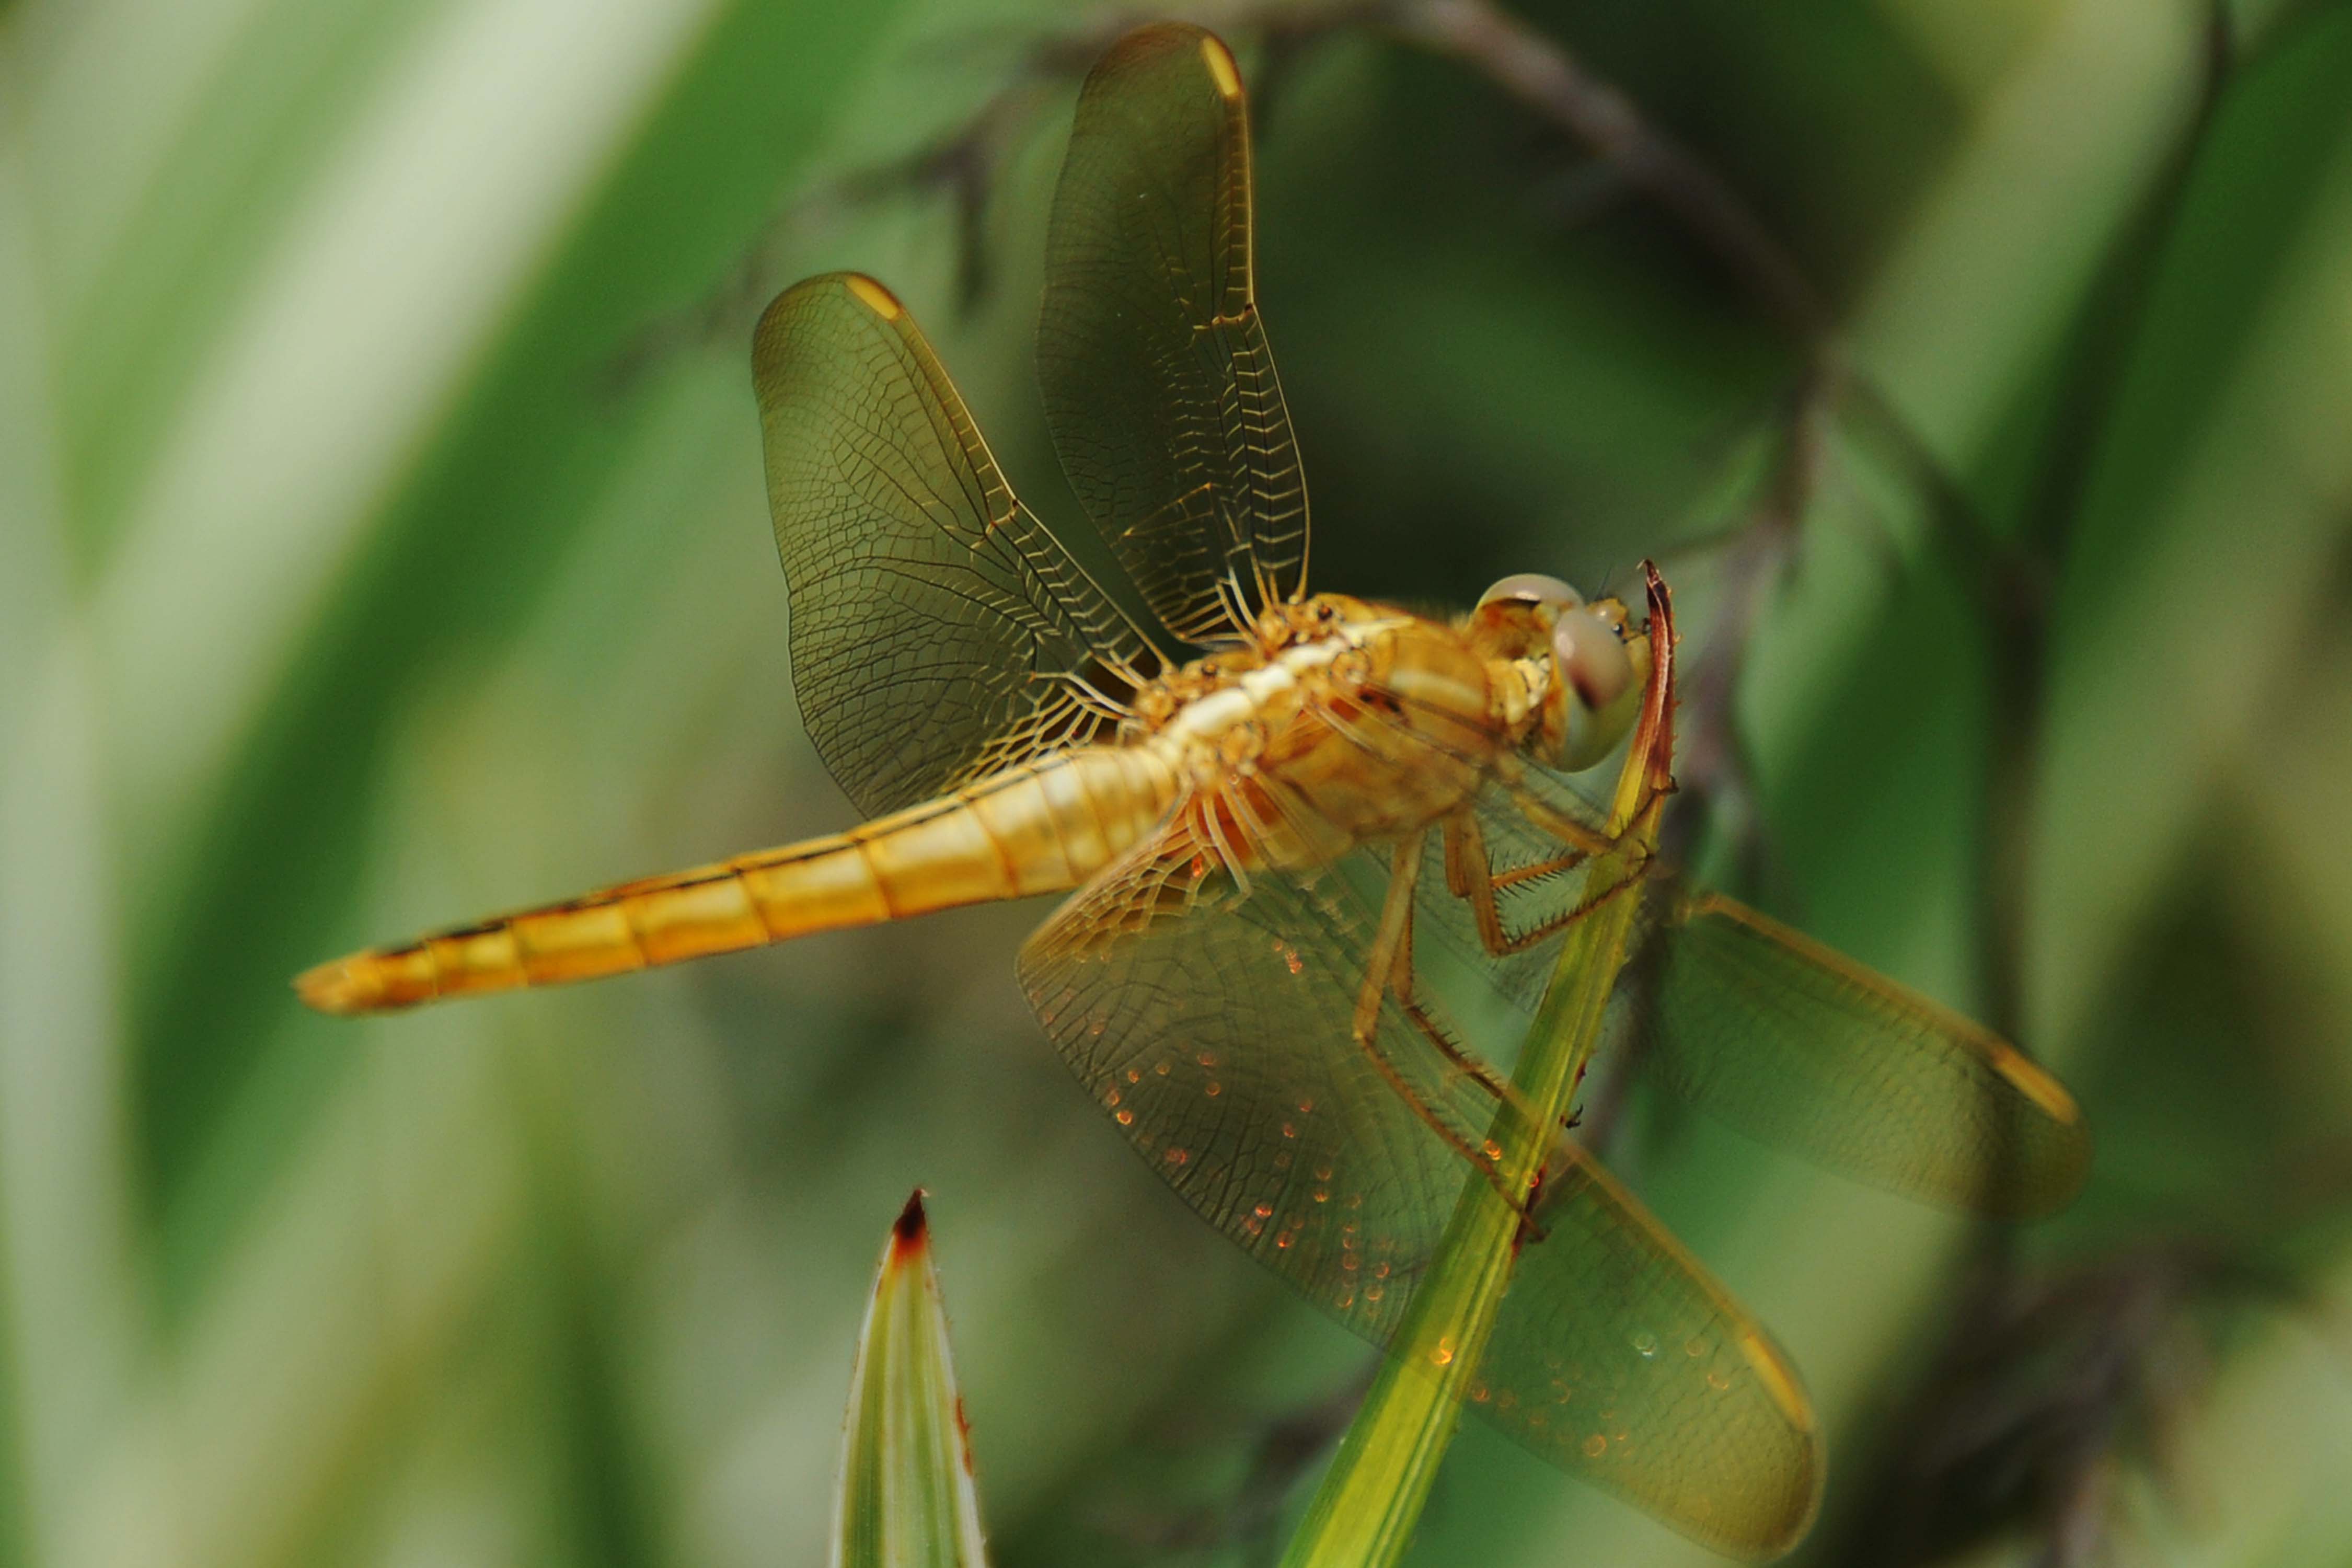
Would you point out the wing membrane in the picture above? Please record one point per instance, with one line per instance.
(1159, 386)
(1794, 1042)
(1211, 1021)
(939, 632)
(1616, 1357)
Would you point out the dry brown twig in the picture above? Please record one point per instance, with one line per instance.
(1528, 67)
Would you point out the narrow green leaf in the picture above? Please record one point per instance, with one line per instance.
(906, 1499)
(2225, 461)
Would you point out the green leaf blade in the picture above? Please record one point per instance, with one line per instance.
(906, 1498)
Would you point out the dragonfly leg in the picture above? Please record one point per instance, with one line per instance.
(1391, 938)
(1470, 876)
(1400, 988)
(1392, 950)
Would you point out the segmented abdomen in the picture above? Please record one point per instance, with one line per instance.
(1038, 828)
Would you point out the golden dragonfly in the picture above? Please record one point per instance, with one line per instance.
(1260, 803)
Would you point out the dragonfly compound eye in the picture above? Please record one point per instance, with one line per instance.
(1534, 588)
(1599, 687)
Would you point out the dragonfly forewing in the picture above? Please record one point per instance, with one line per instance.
(1159, 388)
(939, 632)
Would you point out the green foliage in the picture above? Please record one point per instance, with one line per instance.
(905, 1499)
(344, 590)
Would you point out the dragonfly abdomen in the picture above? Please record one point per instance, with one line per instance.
(1040, 827)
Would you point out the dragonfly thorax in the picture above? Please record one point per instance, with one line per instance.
(1340, 722)
(1302, 655)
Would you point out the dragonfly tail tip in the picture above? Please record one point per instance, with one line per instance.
(341, 987)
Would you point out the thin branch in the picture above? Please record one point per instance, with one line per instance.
(964, 164)
(1542, 74)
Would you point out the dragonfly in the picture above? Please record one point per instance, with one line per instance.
(1271, 815)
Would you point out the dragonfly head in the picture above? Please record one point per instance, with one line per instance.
(1590, 662)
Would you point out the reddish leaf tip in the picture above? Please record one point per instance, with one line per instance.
(913, 1228)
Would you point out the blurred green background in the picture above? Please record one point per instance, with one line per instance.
(347, 586)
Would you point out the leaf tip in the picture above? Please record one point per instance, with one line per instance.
(910, 1234)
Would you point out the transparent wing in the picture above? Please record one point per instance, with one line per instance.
(1159, 386)
(1211, 1021)
(1618, 1357)
(1788, 1039)
(1798, 1044)
(939, 632)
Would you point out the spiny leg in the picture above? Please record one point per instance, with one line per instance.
(1401, 986)
(1470, 876)
(1392, 944)
(1388, 937)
